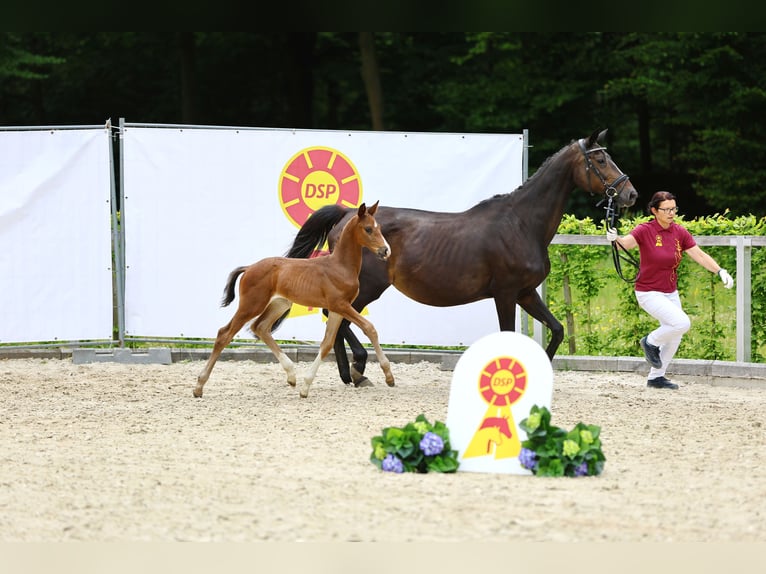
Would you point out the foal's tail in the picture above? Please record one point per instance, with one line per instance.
(228, 291)
(313, 234)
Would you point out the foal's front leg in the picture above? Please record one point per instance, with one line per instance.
(369, 330)
(333, 322)
(262, 329)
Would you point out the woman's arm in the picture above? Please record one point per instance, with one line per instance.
(626, 241)
(710, 264)
(703, 259)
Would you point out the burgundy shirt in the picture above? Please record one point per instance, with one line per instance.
(661, 251)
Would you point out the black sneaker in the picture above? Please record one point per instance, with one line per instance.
(652, 353)
(661, 383)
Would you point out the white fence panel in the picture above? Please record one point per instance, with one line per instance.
(199, 202)
(55, 235)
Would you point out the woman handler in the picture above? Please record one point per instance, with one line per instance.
(662, 243)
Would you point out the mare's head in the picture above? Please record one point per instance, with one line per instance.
(367, 231)
(599, 174)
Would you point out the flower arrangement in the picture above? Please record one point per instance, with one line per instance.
(418, 446)
(552, 451)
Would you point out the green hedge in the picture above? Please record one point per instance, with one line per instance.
(599, 310)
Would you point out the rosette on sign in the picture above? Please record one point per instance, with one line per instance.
(502, 382)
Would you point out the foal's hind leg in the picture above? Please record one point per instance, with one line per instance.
(225, 335)
(262, 329)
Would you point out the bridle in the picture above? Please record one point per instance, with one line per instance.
(619, 253)
(610, 189)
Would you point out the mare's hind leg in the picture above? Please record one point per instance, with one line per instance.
(533, 304)
(373, 281)
(262, 329)
(225, 335)
(333, 321)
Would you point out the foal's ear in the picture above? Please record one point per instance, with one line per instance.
(363, 209)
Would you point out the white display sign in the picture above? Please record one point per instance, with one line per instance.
(495, 384)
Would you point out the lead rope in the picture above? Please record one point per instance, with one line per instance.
(619, 253)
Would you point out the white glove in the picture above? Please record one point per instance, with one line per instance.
(727, 279)
(611, 234)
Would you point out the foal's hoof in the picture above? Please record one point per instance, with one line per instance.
(363, 382)
(390, 382)
(197, 392)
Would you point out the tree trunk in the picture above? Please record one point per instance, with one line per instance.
(300, 78)
(371, 77)
(644, 141)
(188, 77)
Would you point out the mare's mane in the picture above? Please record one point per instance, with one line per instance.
(530, 180)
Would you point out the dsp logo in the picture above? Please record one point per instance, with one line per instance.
(315, 177)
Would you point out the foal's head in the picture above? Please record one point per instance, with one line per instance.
(367, 231)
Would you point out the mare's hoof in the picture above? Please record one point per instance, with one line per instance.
(363, 382)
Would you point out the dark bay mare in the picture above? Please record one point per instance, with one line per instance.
(497, 249)
(268, 288)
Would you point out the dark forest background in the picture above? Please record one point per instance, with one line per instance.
(685, 110)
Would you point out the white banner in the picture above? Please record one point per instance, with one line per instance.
(55, 236)
(200, 202)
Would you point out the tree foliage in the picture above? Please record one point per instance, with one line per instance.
(683, 109)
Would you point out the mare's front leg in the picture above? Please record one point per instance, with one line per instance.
(331, 330)
(533, 304)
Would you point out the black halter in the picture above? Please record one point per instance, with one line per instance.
(619, 253)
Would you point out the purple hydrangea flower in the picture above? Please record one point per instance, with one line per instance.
(431, 444)
(392, 464)
(581, 469)
(528, 459)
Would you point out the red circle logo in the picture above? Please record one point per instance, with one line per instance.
(315, 177)
(503, 381)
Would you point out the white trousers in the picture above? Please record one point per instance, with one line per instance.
(666, 308)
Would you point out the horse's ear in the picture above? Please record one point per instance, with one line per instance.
(374, 208)
(362, 210)
(597, 137)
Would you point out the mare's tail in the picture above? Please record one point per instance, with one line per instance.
(228, 291)
(313, 234)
